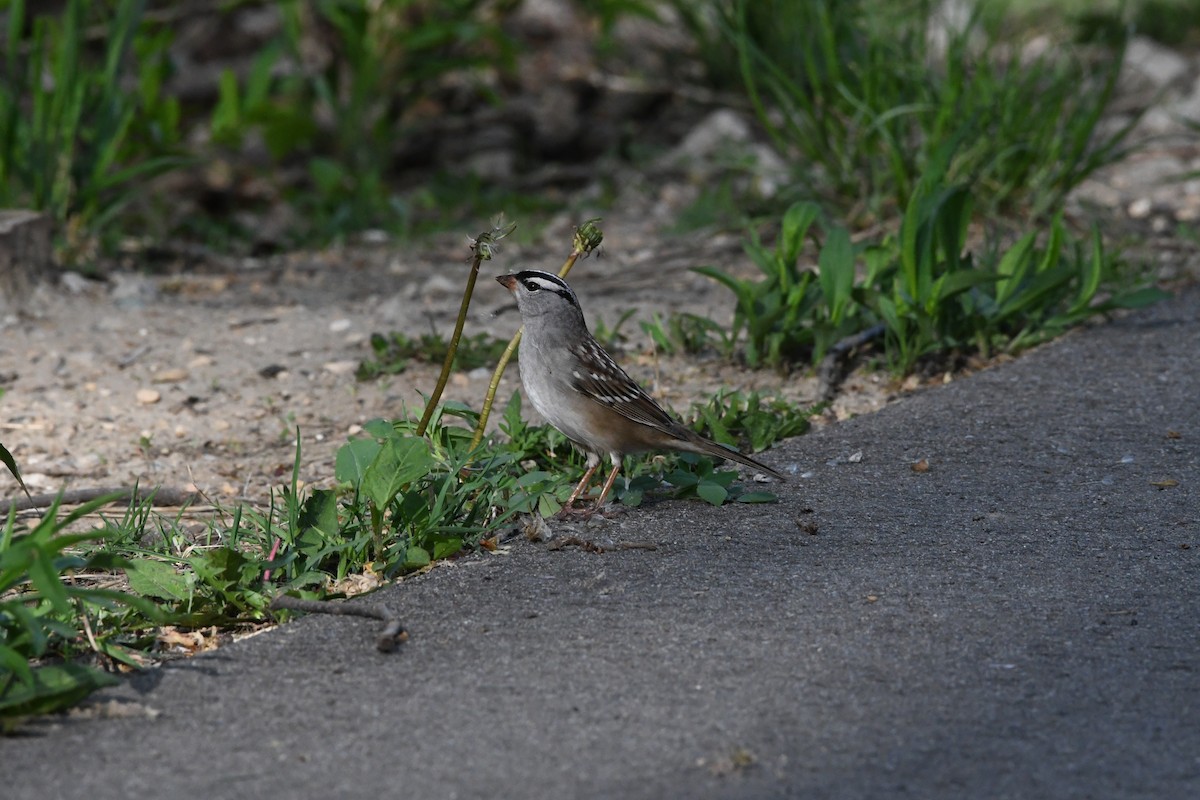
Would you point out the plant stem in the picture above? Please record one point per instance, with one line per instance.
(482, 249)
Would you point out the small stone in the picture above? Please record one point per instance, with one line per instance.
(148, 396)
(340, 367)
(221, 425)
(460, 379)
(200, 361)
(1140, 208)
(170, 376)
(339, 325)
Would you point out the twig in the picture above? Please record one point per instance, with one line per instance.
(393, 632)
(589, 546)
(833, 367)
(127, 495)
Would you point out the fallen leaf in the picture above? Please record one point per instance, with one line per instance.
(921, 466)
(1167, 484)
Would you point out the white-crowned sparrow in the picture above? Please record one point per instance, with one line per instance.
(580, 390)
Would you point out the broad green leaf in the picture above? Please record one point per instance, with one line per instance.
(796, 222)
(446, 547)
(836, 264)
(756, 497)
(53, 688)
(416, 557)
(712, 492)
(353, 458)
(153, 578)
(380, 429)
(400, 462)
(320, 513)
(1013, 266)
(16, 664)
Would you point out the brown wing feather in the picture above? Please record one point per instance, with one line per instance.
(611, 386)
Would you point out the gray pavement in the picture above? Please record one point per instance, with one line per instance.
(1020, 621)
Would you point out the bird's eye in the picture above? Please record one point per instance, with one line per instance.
(531, 286)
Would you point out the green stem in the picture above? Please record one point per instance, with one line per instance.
(453, 348)
(482, 247)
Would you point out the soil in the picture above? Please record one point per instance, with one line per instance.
(199, 381)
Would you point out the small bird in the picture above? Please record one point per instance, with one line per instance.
(581, 391)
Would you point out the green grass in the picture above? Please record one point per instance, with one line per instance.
(854, 97)
(77, 139)
(931, 291)
(394, 352)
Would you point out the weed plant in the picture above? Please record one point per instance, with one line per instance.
(854, 95)
(76, 138)
(388, 57)
(932, 294)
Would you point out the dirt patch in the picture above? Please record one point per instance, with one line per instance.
(200, 380)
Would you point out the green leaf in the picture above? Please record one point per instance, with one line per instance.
(712, 492)
(836, 264)
(16, 664)
(1137, 299)
(1091, 271)
(47, 581)
(416, 557)
(8, 461)
(757, 497)
(400, 462)
(796, 222)
(353, 458)
(444, 548)
(153, 578)
(380, 429)
(319, 513)
(53, 688)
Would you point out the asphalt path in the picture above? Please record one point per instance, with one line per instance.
(1019, 620)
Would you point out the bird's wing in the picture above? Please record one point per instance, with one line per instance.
(612, 387)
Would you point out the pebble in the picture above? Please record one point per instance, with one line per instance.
(339, 325)
(340, 367)
(200, 361)
(1140, 208)
(148, 396)
(170, 376)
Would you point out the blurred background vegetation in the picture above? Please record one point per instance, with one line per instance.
(252, 126)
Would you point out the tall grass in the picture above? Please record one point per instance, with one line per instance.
(857, 98)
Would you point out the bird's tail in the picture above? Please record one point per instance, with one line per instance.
(708, 448)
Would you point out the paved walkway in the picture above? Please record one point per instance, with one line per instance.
(1020, 621)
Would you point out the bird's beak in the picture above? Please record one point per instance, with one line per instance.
(507, 281)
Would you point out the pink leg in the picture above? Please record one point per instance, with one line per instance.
(608, 484)
(579, 489)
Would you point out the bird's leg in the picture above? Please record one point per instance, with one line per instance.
(608, 484)
(583, 482)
